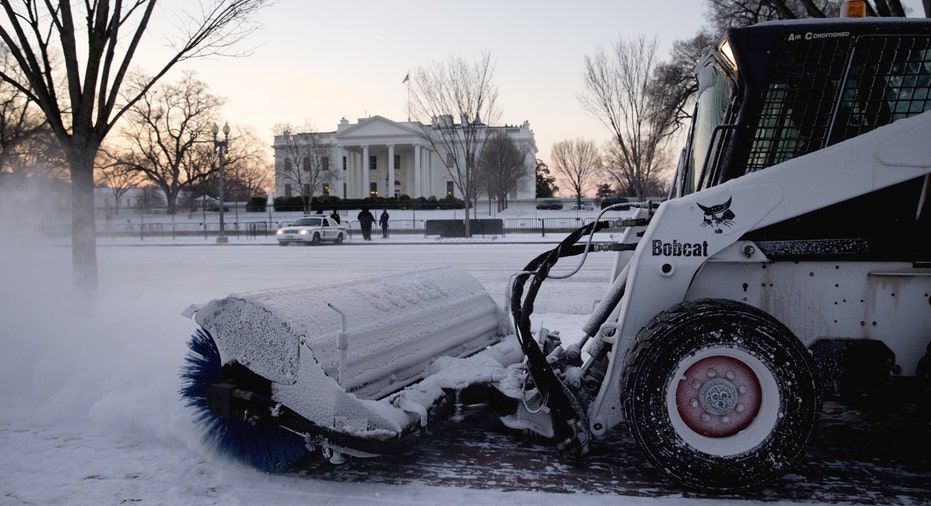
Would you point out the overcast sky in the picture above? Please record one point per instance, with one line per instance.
(316, 62)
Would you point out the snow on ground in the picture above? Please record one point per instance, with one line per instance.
(91, 413)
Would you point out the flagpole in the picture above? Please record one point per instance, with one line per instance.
(408, 84)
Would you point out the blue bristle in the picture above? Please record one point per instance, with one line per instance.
(267, 447)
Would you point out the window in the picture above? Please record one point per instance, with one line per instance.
(449, 188)
(373, 163)
(814, 99)
(325, 163)
(373, 189)
(344, 163)
(287, 165)
(306, 189)
(313, 221)
(890, 79)
(397, 161)
(287, 191)
(306, 163)
(713, 96)
(449, 160)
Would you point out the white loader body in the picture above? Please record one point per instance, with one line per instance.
(680, 257)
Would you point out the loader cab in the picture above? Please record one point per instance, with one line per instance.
(780, 90)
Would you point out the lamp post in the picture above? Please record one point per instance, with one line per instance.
(221, 147)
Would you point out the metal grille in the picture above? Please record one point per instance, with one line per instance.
(888, 80)
(805, 108)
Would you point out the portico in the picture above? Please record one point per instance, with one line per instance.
(378, 157)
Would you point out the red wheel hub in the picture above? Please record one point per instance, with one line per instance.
(718, 396)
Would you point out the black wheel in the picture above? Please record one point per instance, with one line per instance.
(720, 395)
(316, 239)
(339, 239)
(283, 243)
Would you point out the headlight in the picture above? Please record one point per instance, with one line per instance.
(304, 231)
(279, 232)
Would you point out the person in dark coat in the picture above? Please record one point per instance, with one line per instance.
(366, 218)
(383, 221)
(335, 216)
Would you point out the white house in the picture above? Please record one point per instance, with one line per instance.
(380, 157)
(105, 198)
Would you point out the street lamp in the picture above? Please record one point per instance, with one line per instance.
(221, 147)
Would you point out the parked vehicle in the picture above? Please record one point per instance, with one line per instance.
(311, 230)
(617, 199)
(549, 204)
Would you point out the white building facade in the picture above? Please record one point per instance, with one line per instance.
(380, 157)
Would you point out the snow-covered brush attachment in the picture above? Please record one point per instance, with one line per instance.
(349, 368)
(265, 446)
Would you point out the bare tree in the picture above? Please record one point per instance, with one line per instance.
(118, 177)
(450, 90)
(165, 133)
(248, 170)
(618, 93)
(502, 168)
(577, 161)
(655, 185)
(34, 155)
(727, 13)
(27, 146)
(150, 197)
(305, 156)
(674, 84)
(75, 73)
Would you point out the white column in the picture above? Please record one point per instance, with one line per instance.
(389, 192)
(356, 174)
(365, 171)
(350, 174)
(418, 183)
(343, 176)
(429, 173)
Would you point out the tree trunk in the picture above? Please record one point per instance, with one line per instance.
(468, 228)
(171, 203)
(83, 229)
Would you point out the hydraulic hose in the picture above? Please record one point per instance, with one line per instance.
(568, 415)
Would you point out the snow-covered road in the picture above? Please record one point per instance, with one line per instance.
(92, 415)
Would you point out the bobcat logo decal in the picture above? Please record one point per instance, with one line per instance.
(716, 216)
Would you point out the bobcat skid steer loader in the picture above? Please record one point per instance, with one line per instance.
(792, 262)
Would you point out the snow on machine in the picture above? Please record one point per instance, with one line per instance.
(792, 263)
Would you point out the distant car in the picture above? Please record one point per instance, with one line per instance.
(610, 201)
(584, 206)
(311, 230)
(549, 204)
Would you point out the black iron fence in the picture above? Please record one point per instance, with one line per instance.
(167, 229)
(255, 229)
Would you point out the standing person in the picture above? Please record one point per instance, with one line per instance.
(365, 221)
(335, 216)
(383, 221)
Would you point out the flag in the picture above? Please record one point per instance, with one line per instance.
(406, 78)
